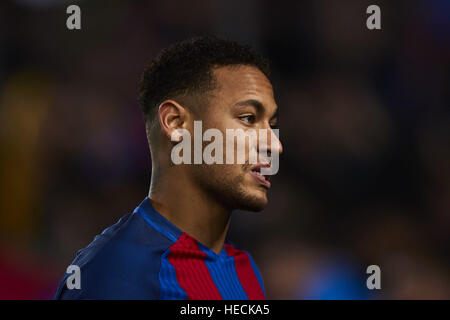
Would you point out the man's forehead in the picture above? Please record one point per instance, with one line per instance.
(242, 79)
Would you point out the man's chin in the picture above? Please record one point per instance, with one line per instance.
(254, 203)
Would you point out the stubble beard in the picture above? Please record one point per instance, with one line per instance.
(222, 184)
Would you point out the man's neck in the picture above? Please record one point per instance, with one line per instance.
(190, 209)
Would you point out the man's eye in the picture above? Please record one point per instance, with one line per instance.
(248, 118)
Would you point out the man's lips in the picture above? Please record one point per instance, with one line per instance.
(256, 173)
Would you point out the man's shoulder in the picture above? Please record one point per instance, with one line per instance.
(122, 262)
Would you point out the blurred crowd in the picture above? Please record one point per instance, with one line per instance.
(364, 120)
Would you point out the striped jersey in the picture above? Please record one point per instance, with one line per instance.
(145, 256)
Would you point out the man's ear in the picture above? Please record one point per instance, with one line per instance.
(172, 116)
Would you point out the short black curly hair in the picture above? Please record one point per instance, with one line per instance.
(186, 69)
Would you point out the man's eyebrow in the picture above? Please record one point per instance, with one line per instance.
(251, 102)
(257, 104)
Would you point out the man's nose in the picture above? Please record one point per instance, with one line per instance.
(275, 143)
(271, 143)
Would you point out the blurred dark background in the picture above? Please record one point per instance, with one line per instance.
(364, 118)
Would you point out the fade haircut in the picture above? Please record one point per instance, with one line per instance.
(184, 72)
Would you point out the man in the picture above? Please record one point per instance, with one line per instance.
(174, 245)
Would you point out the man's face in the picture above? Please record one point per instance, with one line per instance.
(243, 99)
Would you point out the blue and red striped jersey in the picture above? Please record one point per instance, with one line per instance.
(145, 256)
